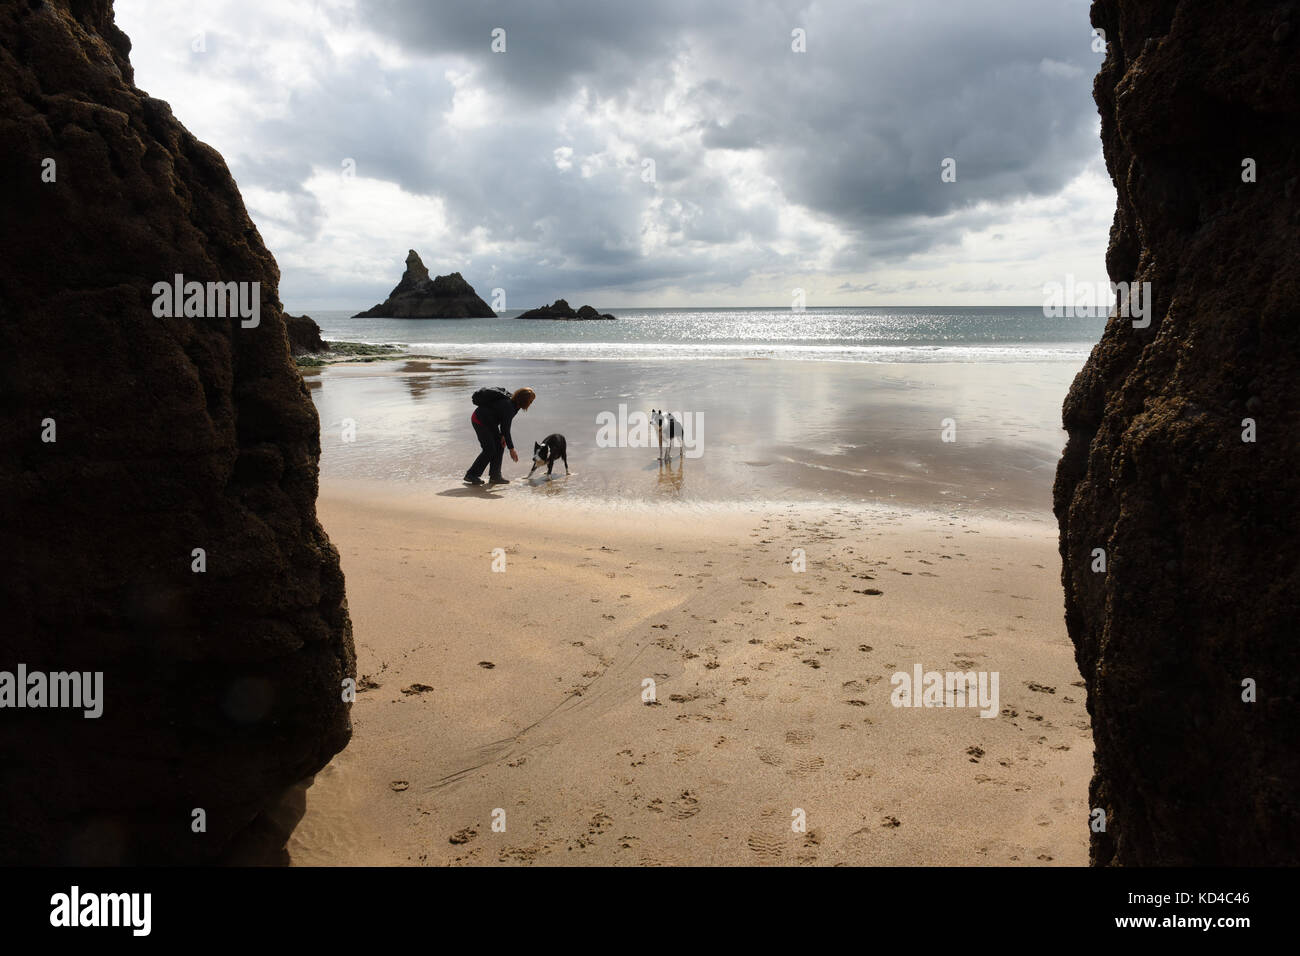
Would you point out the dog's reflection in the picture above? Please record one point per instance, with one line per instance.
(670, 479)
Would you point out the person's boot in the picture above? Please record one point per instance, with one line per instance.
(471, 480)
(498, 480)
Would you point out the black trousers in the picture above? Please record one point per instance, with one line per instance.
(493, 451)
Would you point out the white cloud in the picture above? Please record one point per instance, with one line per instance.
(772, 169)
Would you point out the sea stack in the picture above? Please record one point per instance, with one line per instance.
(304, 334)
(561, 310)
(159, 479)
(1176, 495)
(419, 297)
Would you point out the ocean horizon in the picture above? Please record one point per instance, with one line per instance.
(846, 334)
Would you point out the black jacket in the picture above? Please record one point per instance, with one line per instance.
(499, 414)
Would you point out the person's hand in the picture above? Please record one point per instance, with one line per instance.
(514, 455)
(503, 441)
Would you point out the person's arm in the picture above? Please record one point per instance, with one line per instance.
(506, 418)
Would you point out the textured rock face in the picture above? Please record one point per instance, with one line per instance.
(304, 334)
(221, 681)
(419, 297)
(562, 310)
(1199, 527)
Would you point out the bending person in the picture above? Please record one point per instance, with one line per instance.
(491, 422)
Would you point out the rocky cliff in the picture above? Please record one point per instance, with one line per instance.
(562, 310)
(304, 334)
(158, 479)
(419, 297)
(1183, 463)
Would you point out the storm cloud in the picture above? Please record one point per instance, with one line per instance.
(650, 153)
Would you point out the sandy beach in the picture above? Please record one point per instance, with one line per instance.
(516, 696)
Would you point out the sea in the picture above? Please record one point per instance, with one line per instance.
(890, 335)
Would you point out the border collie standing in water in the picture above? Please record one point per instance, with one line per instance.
(669, 427)
(546, 451)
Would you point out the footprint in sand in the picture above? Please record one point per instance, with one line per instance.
(769, 756)
(685, 806)
(800, 738)
(767, 847)
(463, 835)
(804, 766)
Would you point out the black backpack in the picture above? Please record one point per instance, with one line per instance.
(486, 396)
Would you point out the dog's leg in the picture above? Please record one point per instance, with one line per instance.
(565, 458)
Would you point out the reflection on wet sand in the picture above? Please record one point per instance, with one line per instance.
(777, 430)
(419, 375)
(670, 481)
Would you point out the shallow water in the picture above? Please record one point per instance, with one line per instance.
(828, 432)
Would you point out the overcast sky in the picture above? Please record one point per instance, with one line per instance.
(665, 153)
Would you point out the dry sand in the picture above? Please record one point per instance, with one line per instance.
(521, 691)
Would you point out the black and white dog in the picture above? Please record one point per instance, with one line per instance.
(547, 450)
(670, 428)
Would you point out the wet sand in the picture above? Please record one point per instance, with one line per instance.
(762, 430)
(517, 695)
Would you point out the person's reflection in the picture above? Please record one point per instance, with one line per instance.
(416, 384)
(670, 481)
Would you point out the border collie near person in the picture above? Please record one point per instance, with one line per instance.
(547, 450)
(664, 423)
(494, 410)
